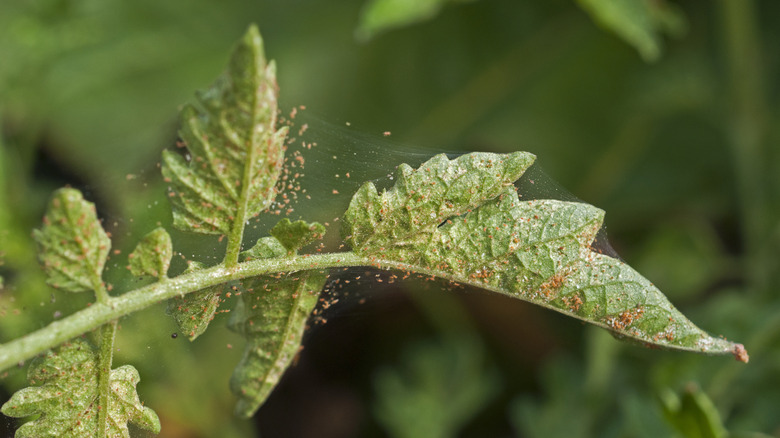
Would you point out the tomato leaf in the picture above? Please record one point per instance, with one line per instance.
(72, 244)
(234, 150)
(67, 398)
(193, 312)
(295, 235)
(378, 16)
(421, 199)
(271, 314)
(152, 255)
(640, 23)
(538, 251)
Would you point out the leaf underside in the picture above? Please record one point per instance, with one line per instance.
(72, 244)
(271, 314)
(234, 151)
(67, 398)
(538, 251)
(381, 15)
(640, 23)
(692, 413)
(193, 312)
(295, 235)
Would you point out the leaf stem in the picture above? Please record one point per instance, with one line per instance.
(104, 375)
(101, 294)
(102, 312)
(57, 332)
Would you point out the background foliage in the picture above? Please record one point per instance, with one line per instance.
(663, 114)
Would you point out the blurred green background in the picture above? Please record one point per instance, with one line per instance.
(665, 114)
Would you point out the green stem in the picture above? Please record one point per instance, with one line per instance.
(105, 356)
(104, 375)
(100, 313)
(747, 125)
(748, 130)
(101, 294)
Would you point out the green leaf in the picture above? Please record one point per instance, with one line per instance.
(638, 22)
(72, 244)
(606, 291)
(694, 415)
(67, 398)
(507, 244)
(421, 199)
(234, 151)
(265, 248)
(295, 235)
(436, 390)
(538, 251)
(152, 255)
(380, 15)
(193, 312)
(271, 314)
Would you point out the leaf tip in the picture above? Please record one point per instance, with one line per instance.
(526, 158)
(249, 54)
(244, 409)
(149, 421)
(252, 35)
(7, 409)
(740, 353)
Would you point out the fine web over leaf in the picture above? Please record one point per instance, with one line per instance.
(538, 251)
(68, 397)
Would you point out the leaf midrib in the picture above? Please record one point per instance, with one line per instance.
(237, 230)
